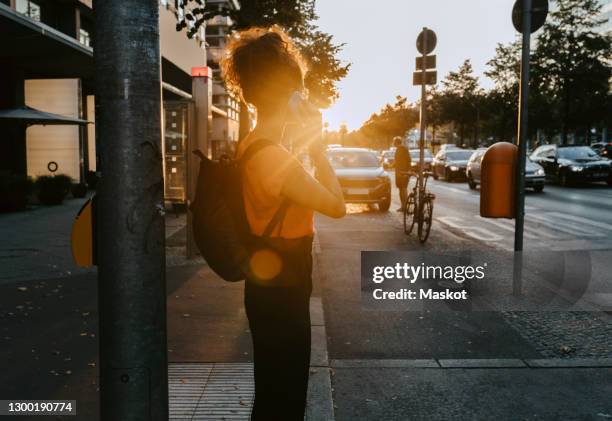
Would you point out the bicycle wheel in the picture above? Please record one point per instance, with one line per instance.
(426, 215)
(408, 214)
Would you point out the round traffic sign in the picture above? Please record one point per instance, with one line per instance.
(432, 40)
(539, 12)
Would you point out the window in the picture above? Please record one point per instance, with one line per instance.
(28, 8)
(213, 30)
(353, 159)
(213, 41)
(84, 37)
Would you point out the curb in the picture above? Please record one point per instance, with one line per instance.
(483, 363)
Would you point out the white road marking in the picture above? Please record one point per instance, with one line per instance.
(557, 226)
(476, 232)
(581, 220)
(505, 225)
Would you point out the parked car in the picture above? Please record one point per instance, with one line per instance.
(447, 146)
(388, 159)
(572, 164)
(361, 176)
(534, 173)
(450, 164)
(415, 158)
(472, 170)
(603, 149)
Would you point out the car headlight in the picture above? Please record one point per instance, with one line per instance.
(539, 172)
(576, 168)
(454, 168)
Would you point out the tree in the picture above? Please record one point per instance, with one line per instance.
(501, 104)
(461, 100)
(298, 17)
(571, 66)
(393, 120)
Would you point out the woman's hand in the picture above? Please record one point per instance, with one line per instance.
(310, 122)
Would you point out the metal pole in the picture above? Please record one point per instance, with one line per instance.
(423, 120)
(522, 152)
(131, 280)
(522, 130)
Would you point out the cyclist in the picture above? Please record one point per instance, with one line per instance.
(403, 164)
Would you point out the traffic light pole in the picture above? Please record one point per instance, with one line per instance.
(131, 277)
(522, 148)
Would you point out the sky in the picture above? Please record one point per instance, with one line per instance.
(380, 38)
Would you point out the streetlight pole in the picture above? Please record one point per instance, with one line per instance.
(131, 277)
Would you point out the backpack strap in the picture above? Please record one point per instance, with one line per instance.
(279, 216)
(277, 219)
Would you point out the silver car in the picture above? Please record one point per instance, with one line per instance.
(534, 173)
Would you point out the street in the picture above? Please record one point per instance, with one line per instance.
(381, 364)
(158, 159)
(395, 343)
(560, 218)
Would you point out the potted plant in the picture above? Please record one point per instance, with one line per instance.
(52, 189)
(78, 190)
(14, 192)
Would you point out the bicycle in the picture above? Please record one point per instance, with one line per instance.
(419, 208)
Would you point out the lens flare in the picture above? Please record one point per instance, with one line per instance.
(265, 264)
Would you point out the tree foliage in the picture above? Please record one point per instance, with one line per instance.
(571, 66)
(298, 17)
(570, 84)
(392, 120)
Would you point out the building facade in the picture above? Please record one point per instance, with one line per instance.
(226, 124)
(46, 62)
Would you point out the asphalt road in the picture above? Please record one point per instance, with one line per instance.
(559, 219)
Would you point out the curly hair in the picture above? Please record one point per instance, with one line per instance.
(258, 58)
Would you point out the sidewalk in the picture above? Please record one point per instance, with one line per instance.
(49, 345)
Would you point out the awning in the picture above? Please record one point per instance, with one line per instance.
(29, 116)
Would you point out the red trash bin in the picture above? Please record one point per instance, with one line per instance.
(497, 181)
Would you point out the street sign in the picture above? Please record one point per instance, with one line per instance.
(430, 62)
(431, 78)
(539, 12)
(432, 40)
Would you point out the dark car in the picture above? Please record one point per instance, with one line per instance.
(361, 176)
(450, 164)
(603, 149)
(534, 173)
(415, 157)
(572, 164)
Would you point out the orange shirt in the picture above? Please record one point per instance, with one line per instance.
(264, 176)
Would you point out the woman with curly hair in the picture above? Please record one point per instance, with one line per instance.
(264, 68)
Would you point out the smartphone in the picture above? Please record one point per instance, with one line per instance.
(297, 105)
(302, 115)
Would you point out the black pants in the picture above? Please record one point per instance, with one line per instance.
(279, 319)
